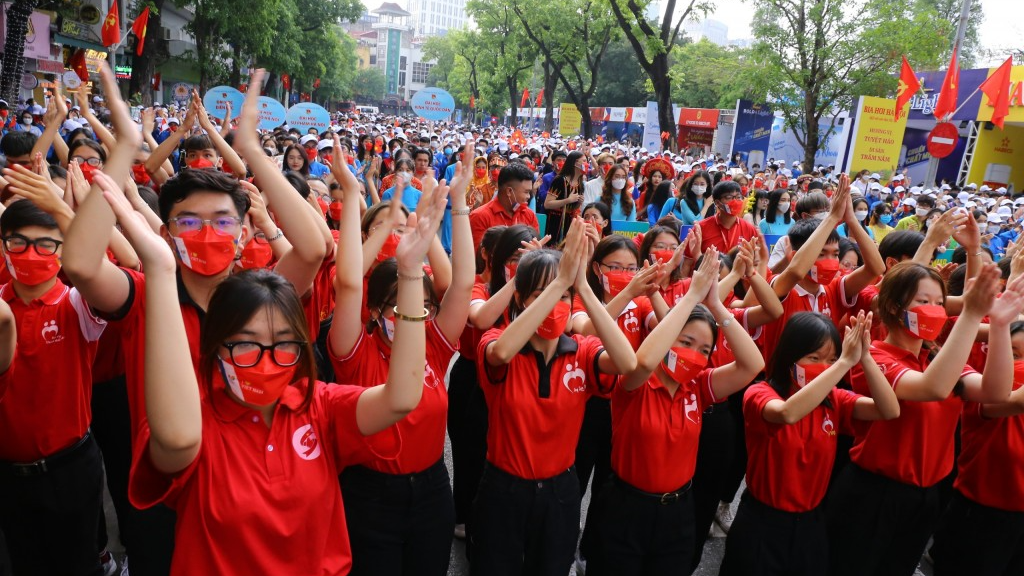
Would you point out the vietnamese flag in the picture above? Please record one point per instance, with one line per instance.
(525, 98)
(111, 31)
(139, 29)
(77, 63)
(946, 104)
(472, 101)
(909, 85)
(540, 98)
(997, 88)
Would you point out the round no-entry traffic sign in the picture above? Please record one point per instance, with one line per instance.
(942, 139)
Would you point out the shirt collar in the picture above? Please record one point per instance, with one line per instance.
(901, 353)
(804, 293)
(228, 410)
(566, 345)
(49, 298)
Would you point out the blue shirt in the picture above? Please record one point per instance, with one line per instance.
(410, 197)
(318, 170)
(682, 210)
(777, 228)
(616, 208)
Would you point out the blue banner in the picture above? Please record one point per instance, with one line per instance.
(752, 132)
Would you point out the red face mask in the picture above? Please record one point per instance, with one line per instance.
(559, 164)
(510, 271)
(311, 153)
(925, 321)
(368, 145)
(206, 252)
(554, 325)
(389, 248)
(172, 127)
(256, 254)
(4, 113)
(494, 174)
(378, 147)
(335, 211)
(804, 374)
(322, 204)
(744, 189)
(480, 172)
(683, 364)
(200, 163)
(259, 385)
(31, 268)
(663, 255)
(605, 169)
(615, 282)
(1018, 373)
(824, 271)
(88, 171)
(734, 207)
(139, 174)
(328, 158)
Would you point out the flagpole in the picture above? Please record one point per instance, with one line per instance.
(961, 32)
(976, 90)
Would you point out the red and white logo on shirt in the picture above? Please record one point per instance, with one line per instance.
(51, 332)
(305, 442)
(429, 378)
(828, 426)
(631, 323)
(574, 373)
(690, 409)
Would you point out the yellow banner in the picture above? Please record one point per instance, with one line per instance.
(877, 139)
(569, 120)
(998, 158)
(1016, 97)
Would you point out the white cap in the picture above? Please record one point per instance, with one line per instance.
(971, 204)
(173, 121)
(972, 186)
(324, 144)
(1005, 201)
(307, 139)
(899, 189)
(910, 202)
(876, 186)
(984, 188)
(994, 218)
(97, 99)
(897, 178)
(876, 176)
(70, 125)
(1001, 189)
(963, 196)
(1018, 201)
(916, 189)
(796, 162)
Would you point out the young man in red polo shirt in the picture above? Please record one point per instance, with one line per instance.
(51, 470)
(727, 228)
(509, 205)
(204, 220)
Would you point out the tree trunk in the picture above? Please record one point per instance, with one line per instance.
(513, 90)
(236, 67)
(141, 81)
(14, 49)
(550, 84)
(663, 94)
(810, 130)
(587, 124)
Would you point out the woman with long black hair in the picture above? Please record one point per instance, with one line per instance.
(563, 201)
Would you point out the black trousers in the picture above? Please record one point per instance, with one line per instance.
(641, 535)
(877, 525)
(716, 455)
(525, 527)
(976, 540)
(51, 520)
(594, 458)
(766, 541)
(147, 535)
(399, 524)
(467, 429)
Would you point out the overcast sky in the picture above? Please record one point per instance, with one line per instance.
(1001, 30)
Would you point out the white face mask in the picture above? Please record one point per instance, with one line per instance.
(993, 228)
(26, 121)
(860, 215)
(783, 207)
(922, 212)
(699, 190)
(619, 183)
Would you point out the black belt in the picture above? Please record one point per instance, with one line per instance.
(44, 465)
(664, 498)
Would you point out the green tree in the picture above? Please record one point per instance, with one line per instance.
(623, 82)
(18, 14)
(812, 58)
(653, 44)
(949, 10)
(706, 75)
(154, 51)
(513, 54)
(573, 37)
(369, 85)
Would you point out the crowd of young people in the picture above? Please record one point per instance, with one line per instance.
(258, 341)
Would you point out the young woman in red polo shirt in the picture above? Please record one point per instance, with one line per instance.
(400, 510)
(646, 515)
(537, 380)
(982, 530)
(251, 469)
(792, 423)
(885, 503)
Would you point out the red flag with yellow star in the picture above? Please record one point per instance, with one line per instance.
(909, 85)
(139, 29)
(111, 31)
(946, 104)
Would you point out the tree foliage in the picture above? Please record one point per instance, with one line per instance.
(706, 75)
(369, 84)
(509, 53)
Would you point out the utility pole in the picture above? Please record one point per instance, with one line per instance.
(961, 31)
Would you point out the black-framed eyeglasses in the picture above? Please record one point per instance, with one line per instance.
(246, 354)
(90, 161)
(16, 244)
(617, 268)
(224, 224)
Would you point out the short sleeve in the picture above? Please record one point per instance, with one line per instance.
(754, 401)
(350, 446)
(704, 389)
(578, 309)
(479, 294)
(587, 355)
(844, 402)
(148, 486)
(89, 323)
(345, 365)
(485, 372)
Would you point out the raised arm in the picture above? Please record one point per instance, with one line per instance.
(382, 406)
(102, 134)
(804, 258)
(300, 265)
(996, 380)
(883, 403)
(348, 273)
(104, 286)
(171, 390)
(748, 359)
(618, 356)
(231, 159)
(166, 148)
(873, 266)
(56, 112)
(455, 306)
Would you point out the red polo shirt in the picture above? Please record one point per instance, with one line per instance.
(535, 409)
(471, 336)
(655, 435)
(46, 392)
(725, 239)
(259, 500)
(318, 305)
(494, 214)
(423, 429)
(917, 447)
(634, 321)
(991, 463)
(830, 300)
(789, 465)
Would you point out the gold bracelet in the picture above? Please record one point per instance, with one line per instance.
(410, 278)
(422, 318)
(461, 211)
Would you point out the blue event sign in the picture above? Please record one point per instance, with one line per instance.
(218, 98)
(271, 112)
(752, 131)
(306, 115)
(433, 104)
